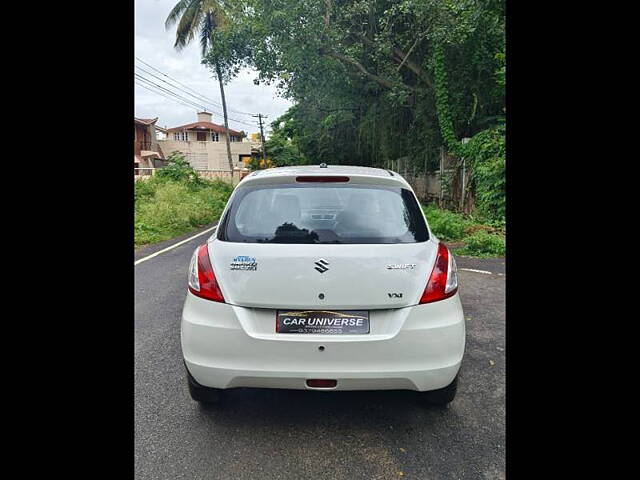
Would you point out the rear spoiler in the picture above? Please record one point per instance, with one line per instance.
(354, 179)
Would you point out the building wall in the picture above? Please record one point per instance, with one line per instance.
(143, 139)
(192, 136)
(153, 139)
(206, 155)
(145, 134)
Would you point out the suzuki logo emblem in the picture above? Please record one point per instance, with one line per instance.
(321, 265)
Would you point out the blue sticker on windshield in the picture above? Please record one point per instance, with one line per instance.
(242, 262)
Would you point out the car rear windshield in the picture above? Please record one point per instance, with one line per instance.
(323, 214)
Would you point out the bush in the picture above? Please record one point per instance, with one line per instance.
(145, 189)
(446, 225)
(166, 208)
(179, 170)
(481, 237)
(483, 244)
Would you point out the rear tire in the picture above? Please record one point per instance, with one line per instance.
(206, 396)
(442, 396)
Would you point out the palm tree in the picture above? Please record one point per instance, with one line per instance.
(201, 17)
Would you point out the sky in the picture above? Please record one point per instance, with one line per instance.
(154, 45)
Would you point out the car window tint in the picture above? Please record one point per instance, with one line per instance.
(323, 214)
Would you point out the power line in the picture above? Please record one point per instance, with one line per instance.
(172, 98)
(170, 84)
(189, 88)
(178, 82)
(197, 97)
(160, 87)
(199, 105)
(187, 100)
(165, 96)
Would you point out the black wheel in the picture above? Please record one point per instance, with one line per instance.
(442, 396)
(204, 395)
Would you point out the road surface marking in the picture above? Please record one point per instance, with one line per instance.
(174, 245)
(476, 271)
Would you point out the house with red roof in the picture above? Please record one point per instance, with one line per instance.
(204, 145)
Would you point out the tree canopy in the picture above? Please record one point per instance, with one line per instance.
(373, 80)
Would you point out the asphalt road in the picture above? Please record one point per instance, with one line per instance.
(280, 434)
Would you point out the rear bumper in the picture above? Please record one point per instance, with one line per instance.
(414, 348)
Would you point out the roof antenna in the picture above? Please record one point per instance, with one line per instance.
(323, 165)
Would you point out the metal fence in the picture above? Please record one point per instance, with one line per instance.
(447, 187)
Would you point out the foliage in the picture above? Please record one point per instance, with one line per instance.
(370, 78)
(196, 17)
(166, 208)
(282, 152)
(480, 239)
(501, 72)
(179, 169)
(442, 102)
(258, 163)
(374, 81)
(486, 155)
(446, 225)
(228, 52)
(483, 244)
(281, 146)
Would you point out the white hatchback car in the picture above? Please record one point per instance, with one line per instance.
(323, 278)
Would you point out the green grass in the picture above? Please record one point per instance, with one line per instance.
(166, 208)
(480, 238)
(483, 244)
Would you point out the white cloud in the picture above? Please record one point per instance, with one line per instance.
(154, 45)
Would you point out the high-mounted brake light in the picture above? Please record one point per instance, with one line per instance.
(321, 383)
(443, 282)
(322, 179)
(202, 280)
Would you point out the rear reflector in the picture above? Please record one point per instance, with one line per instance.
(322, 179)
(316, 383)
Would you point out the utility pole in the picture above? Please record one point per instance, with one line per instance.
(264, 152)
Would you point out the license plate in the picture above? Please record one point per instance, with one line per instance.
(325, 322)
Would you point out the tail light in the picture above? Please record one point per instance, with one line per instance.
(443, 282)
(202, 280)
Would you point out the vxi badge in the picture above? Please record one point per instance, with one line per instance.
(401, 266)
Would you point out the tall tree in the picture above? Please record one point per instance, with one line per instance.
(203, 18)
(377, 81)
